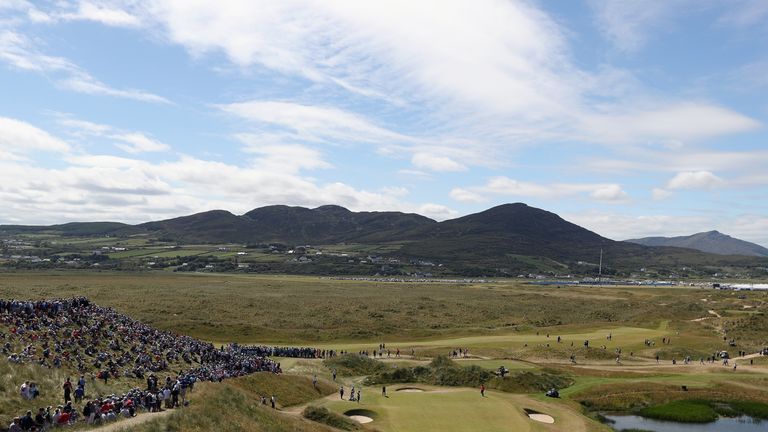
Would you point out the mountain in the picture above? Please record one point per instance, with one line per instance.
(331, 224)
(514, 237)
(285, 224)
(215, 226)
(509, 229)
(711, 242)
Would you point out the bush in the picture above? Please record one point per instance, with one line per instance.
(530, 382)
(444, 372)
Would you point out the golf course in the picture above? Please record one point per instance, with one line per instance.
(605, 350)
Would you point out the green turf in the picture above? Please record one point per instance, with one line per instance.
(681, 411)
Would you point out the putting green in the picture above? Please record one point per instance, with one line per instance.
(461, 409)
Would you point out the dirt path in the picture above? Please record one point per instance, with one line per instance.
(297, 409)
(712, 312)
(747, 357)
(131, 422)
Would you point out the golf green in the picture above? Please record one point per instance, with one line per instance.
(457, 410)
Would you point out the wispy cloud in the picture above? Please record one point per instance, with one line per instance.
(19, 52)
(128, 141)
(628, 24)
(19, 138)
(506, 187)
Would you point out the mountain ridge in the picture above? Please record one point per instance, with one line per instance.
(501, 237)
(713, 242)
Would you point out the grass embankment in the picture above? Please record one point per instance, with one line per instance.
(685, 411)
(322, 415)
(703, 411)
(234, 405)
(665, 402)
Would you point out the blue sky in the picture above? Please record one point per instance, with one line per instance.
(631, 118)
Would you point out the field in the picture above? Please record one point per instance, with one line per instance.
(500, 323)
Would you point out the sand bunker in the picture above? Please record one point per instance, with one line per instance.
(361, 415)
(410, 390)
(363, 419)
(543, 418)
(539, 417)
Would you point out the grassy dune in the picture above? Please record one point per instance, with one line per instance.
(232, 406)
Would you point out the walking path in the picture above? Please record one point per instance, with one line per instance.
(131, 422)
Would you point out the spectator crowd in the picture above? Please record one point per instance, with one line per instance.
(84, 338)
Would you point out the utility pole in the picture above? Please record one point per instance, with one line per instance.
(600, 268)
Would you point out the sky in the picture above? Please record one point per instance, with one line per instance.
(630, 118)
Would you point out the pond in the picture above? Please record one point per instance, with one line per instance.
(722, 424)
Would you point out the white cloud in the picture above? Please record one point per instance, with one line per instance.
(694, 180)
(139, 143)
(416, 174)
(660, 194)
(676, 161)
(620, 226)
(104, 187)
(128, 141)
(101, 13)
(82, 127)
(437, 163)
(282, 156)
(612, 192)
(84, 83)
(19, 52)
(314, 123)
(628, 24)
(507, 187)
(679, 122)
(436, 211)
(466, 196)
(18, 138)
(617, 226)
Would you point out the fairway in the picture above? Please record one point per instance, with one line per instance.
(459, 410)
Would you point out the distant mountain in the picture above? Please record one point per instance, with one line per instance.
(509, 229)
(514, 237)
(71, 229)
(332, 224)
(711, 242)
(285, 224)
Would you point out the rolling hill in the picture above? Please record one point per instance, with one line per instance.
(711, 242)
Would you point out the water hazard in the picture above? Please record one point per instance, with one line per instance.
(723, 424)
